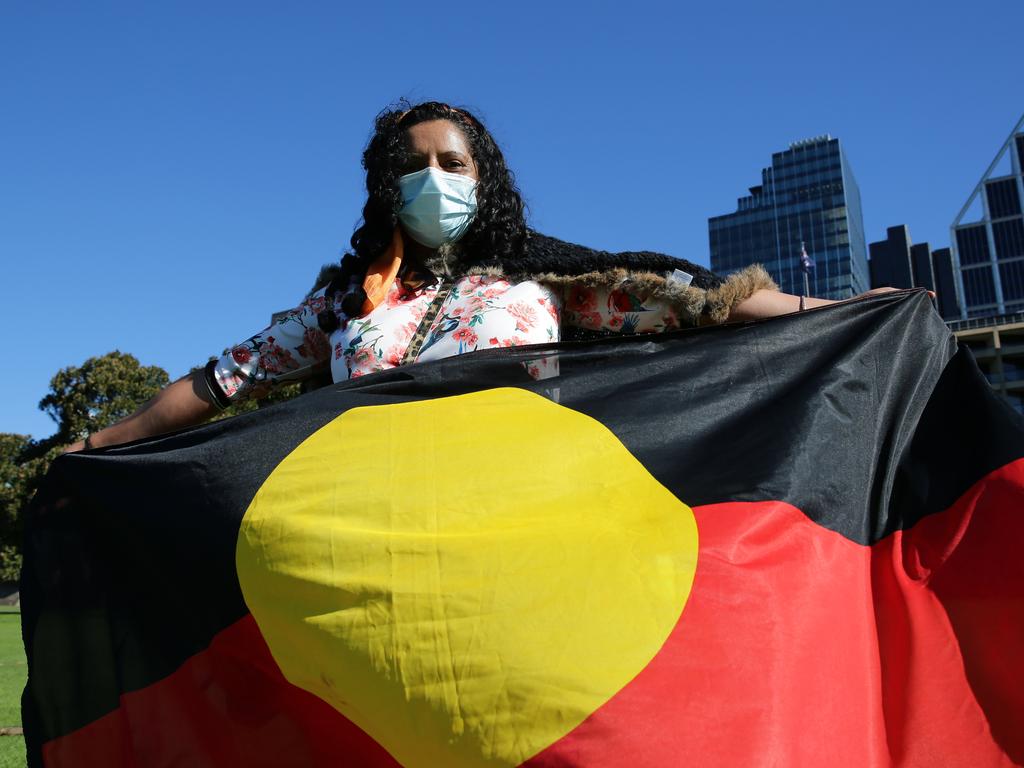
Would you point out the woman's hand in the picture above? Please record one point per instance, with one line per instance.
(877, 291)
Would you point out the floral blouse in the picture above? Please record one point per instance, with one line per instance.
(480, 312)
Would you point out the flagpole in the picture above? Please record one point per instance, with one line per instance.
(806, 265)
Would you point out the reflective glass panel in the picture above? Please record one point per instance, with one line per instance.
(972, 244)
(979, 287)
(1003, 199)
(1009, 238)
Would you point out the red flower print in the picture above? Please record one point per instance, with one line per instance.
(465, 336)
(550, 307)
(494, 291)
(241, 355)
(394, 354)
(363, 356)
(590, 320)
(339, 350)
(525, 315)
(474, 306)
(615, 321)
(317, 304)
(620, 301)
(582, 299)
(275, 358)
(314, 344)
(457, 311)
(394, 296)
(405, 332)
(515, 341)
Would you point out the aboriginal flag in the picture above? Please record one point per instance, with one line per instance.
(789, 542)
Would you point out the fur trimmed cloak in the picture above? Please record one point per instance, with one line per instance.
(548, 260)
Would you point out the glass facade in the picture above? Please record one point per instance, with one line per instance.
(1011, 278)
(972, 245)
(809, 195)
(1003, 199)
(1009, 238)
(989, 254)
(979, 289)
(945, 284)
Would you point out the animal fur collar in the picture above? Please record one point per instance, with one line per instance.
(554, 262)
(561, 264)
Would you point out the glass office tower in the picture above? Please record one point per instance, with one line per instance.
(808, 195)
(988, 252)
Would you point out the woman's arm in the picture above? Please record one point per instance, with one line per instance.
(184, 403)
(292, 349)
(766, 303)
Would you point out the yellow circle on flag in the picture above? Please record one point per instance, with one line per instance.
(467, 578)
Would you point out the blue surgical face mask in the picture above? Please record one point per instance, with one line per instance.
(437, 207)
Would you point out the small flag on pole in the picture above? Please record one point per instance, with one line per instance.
(806, 262)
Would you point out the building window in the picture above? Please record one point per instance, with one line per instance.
(1012, 370)
(1011, 276)
(1009, 237)
(1003, 199)
(981, 311)
(972, 243)
(979, 287)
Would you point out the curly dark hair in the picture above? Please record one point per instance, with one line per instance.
(497, 234)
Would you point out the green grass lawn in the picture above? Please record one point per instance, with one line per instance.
(12, 681)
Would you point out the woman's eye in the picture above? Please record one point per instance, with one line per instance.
(413, 164)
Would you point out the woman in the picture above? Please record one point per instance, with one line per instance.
(443, 264)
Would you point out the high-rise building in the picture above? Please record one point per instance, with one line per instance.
(945, 283)
(808, 196)
(898, 263)
(998, 346)
(890, 263)
(988, 247)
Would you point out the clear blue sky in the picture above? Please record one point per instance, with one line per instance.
(171, 173)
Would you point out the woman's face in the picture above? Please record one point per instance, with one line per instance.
(439, 144)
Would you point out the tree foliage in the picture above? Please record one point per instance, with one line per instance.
(82, 399)
(99, 392)
(22, 466)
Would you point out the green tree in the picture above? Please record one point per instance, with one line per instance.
(22, 466)
(82, 399)
(99, 392)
